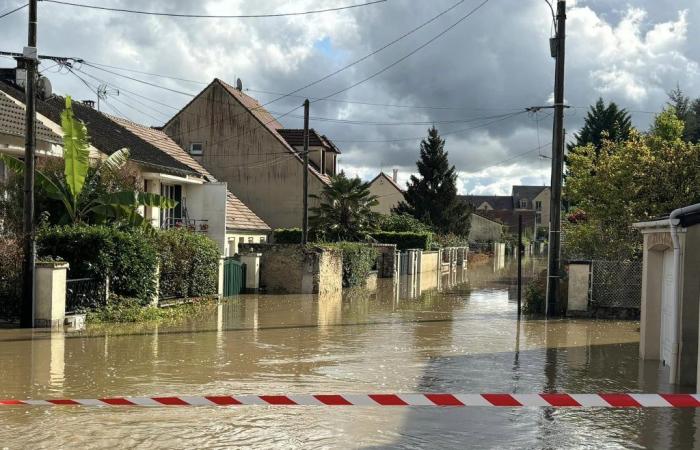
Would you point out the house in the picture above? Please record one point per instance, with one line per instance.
(483, 229)
(529, 202)
(389, 193)
(204, 204)
(671, 293)
(242, 144)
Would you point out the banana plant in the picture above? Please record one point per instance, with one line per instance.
(115, 207)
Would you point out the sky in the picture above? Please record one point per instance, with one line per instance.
(468, 82)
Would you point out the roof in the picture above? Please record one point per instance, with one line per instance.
(389, 179)
(485, 217)
(295, 138)
(106, 134)
(510, 218)
(497, 202)
(527, 192)
(238, 215)
(12, 117)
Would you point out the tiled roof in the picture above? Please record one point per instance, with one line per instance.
(238, 215)
(295, 138)
(510, 218)
(12, 122)
(389, 179)
(497, 202)
(527, 192)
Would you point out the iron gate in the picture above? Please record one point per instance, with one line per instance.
(234, 276)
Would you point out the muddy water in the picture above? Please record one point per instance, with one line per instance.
(452, 333)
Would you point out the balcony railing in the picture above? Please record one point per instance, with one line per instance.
(194, 225)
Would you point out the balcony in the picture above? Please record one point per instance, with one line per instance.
(194, 225)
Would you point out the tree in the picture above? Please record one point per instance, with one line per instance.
(432, 198)
(688, 111)
(402, 223)
(95, 204)
(603, 123)
(345, 210)
(643, 177)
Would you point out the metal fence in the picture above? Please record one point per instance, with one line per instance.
(616, 284)
(83, 294)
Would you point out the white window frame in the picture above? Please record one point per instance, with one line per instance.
(523, 204)
(196, 152)
(538, 205)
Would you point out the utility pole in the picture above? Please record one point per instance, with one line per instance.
(30, 62)
(557, 45)
(520, 263)
(305, 220)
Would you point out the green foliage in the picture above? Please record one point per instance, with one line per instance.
(603, 123)
(11, 256)
(536, 295)
(345, 211)
(450, 240)
(189, 263)
(127, 310)
(287, 236)
(639, 179)
(95, 205)
(688, 111)
(128, 257)
(358, 261)
(432, 198)
(405, 240)
(402, 223)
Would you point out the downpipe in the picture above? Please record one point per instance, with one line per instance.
(674, 222)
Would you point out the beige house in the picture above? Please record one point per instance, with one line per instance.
(483, 229)
(671, 294)
(388, 192)
(204, 204)
(242, 144)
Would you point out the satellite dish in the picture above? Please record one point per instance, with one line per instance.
(45, 89)
(239, 84)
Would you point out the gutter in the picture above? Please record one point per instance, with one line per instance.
(674, 222)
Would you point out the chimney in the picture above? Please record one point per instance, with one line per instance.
(239, 85)
(395, 176)
(89, 103)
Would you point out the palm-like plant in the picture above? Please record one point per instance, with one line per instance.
(345, 210)
(78, 205)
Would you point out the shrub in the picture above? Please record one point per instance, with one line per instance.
(358, 261)
(287, 236)
(536, 294)
(189, 264)
(127, 257)
(451, 240)
(402, 223)
(11, 256)
(405, 240)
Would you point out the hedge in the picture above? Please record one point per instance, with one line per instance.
(11, 257)
(287, 236)
(128, 258)
(358, 262)
(189, 264)
(404, 240)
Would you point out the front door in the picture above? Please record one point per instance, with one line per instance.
(667, 308)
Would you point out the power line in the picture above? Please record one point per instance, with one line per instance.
(411, 53)
(212, 16)
(14, 10)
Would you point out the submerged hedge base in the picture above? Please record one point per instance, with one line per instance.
(189, 264)
(358, 261)
(405, 240)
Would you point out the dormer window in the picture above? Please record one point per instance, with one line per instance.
(523, 204)
(196, 148)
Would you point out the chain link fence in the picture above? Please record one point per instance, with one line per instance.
(616, 284)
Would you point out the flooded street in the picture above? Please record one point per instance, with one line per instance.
(453, 333)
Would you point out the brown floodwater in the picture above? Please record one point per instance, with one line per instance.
(453, 333)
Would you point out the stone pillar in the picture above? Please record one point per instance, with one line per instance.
(50, 288)
(579, 286)
(220, 285)
(252, 270)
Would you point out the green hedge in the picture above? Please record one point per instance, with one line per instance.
(287, 236)
(11, 256)
(405, 240)
(189, 264)
(358, 262)
(128, 258)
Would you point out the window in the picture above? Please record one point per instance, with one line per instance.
(262, 239)
(171, 217)
(538, 205)
(523, 204)
(250, 240)
(196, 148)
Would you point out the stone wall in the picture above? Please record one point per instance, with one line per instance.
(297, 269)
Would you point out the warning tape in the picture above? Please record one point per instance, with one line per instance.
(443, 400)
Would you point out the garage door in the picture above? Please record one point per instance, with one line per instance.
(667, 307)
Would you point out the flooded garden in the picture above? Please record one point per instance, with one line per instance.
(430, 332)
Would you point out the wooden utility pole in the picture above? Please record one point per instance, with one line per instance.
(554, 264)
(30, 63)
(520, 263)
(305, 219)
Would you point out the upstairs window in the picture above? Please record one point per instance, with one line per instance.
(538, 205)
(523, 204)
(196, 148)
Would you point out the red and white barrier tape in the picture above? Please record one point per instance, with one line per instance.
(444, 400)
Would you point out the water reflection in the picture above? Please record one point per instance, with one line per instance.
(454, 331)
